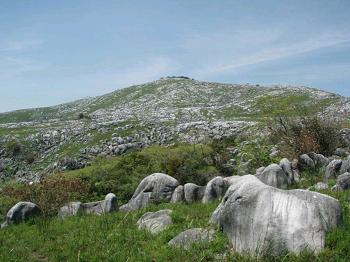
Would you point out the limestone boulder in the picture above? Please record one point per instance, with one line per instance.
(273, 175)
(191, 236)
(21, 212)
(155, 188)
(155, 222)
(193, 192)
(216, 188)
(256, 216)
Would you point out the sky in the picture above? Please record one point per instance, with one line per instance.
(59, 51)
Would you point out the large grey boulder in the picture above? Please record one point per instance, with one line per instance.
(286, 166)
(345, 167)
(191, 236)
(256, 216)
(155, 222)
(155, 188)
(333, 169)
(216, 188)
(343, 182)
(99, 207)
(21, 212)
(305, 162)
(178, 195)
(70, 209)
(193, 192)
(319, 159)
(273, 175)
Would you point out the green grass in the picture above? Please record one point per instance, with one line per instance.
(111, 237)
(115, 237)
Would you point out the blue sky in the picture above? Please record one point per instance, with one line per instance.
(58, 51)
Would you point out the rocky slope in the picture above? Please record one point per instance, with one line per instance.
(170, 109)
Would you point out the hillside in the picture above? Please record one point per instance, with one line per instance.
(161, 112)
(175, 155)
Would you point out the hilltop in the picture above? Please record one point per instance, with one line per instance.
(168, 110)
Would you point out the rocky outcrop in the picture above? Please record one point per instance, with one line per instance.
(318, 159)
(193, 192)
(273, 175)
(216, 188)
(291, 170)
(256, 216)
(333, 169)
(155, 188)
(178, 195)
(155, 222)
(99, 207)
(191, 236)
(21, 212)
(305, 162)
(343, 182)
(345, 167)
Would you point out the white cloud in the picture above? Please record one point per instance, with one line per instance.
(271, 52)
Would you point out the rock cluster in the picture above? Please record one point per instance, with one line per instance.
(100, 207)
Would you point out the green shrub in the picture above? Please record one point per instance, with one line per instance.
(50, 194)
(14, 147)
(304, 135)
(6, 202)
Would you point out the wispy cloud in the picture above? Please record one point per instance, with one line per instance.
(274, 52)
(11, 67)
(21, 45)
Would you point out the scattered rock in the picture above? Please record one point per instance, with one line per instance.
(255, 216)
(273, 175)
(155, 222)
(178, 195)
(343, 181)
(155, 188)
(341, 152)
(321, 186)
(193, 192)
(70, 209)
(216, 188)
(191, 236)
(333, 169)
(345, 167)
(99, 207)
(318, 159)
(305, 162)
(286, 166)
(21, 212)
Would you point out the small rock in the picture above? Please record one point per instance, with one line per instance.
(191, 236)
(155, 222)
(321, 186)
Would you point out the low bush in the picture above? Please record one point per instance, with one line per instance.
(297, 136)
(13, 147)
(50, 194)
